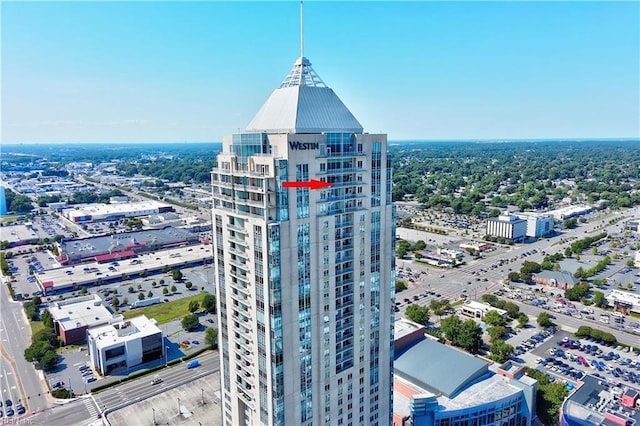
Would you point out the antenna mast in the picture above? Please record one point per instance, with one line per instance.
(301, 30)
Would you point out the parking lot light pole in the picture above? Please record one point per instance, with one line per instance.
(154, 416)
(202, 396)
(166, 355)
(179, 409)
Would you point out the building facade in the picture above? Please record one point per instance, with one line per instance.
(304, 277)
(538, 225)
(125, 344)
(507, 226)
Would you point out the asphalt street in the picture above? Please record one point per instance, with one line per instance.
(26, 384)
(85, 410)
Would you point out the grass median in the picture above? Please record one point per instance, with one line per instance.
(167, 311)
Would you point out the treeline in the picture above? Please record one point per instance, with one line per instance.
(472, 178)
(81, 198)
(17, 203)
(581, 245)
(188, 169)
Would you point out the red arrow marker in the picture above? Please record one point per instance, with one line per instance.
(312, 184)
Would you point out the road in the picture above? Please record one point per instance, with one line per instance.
(83, 411)
(27, 385)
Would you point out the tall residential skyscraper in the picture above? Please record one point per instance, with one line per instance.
(305, 278)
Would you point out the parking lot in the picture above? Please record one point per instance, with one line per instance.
(564, 357)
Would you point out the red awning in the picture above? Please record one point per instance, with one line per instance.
(115, 256)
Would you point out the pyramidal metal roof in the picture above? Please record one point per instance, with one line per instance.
(303, 104)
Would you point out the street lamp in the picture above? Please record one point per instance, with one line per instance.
(154, 416)
(166, 355)
(202, 396)
(179, 409)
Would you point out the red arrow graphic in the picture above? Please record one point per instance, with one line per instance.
(312, 184)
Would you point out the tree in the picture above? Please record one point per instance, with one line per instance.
(150, 294)
(188, 284)
(450, 327)
(418, 314)
(193, 306)
(439, 307)
(513, 276)
(512, 309)
(37, 350)
(49, 361)
(501, 351)
(176, 274)
(115, 303)
(161, 282)
(523, 320)
(401, 285)
(165, 290)
(544, 320)
(140, 296)
(173, 289)
(211, 337)
(46, 318)
(190, 322)
(493, 318)
(598, 298)
(47, 335)
(419, 245)
(131, 290)
(470, 336)
(139, 287)
(496, 332)
(209, 303)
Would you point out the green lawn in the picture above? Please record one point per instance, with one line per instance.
(168, 311)
(36, 326)
(5, 219)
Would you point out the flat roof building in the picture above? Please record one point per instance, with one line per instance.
(105, 212)
(125, 344)
(623, 300)
(72, 317)
(478, 310)
(558, 279)
(570, 211)
(123, 245)
(599, 402)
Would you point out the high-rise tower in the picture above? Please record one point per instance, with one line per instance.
(304, 277)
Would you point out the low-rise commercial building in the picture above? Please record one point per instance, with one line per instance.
(125, 344)
(122, 245)
(568, 212)
(623, 300)
(117, 211)
(478, 310)
(599, 402)
(73, 317)
(556, 279)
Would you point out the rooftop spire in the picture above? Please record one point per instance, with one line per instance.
(301, 30)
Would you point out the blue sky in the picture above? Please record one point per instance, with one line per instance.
(195, 71)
